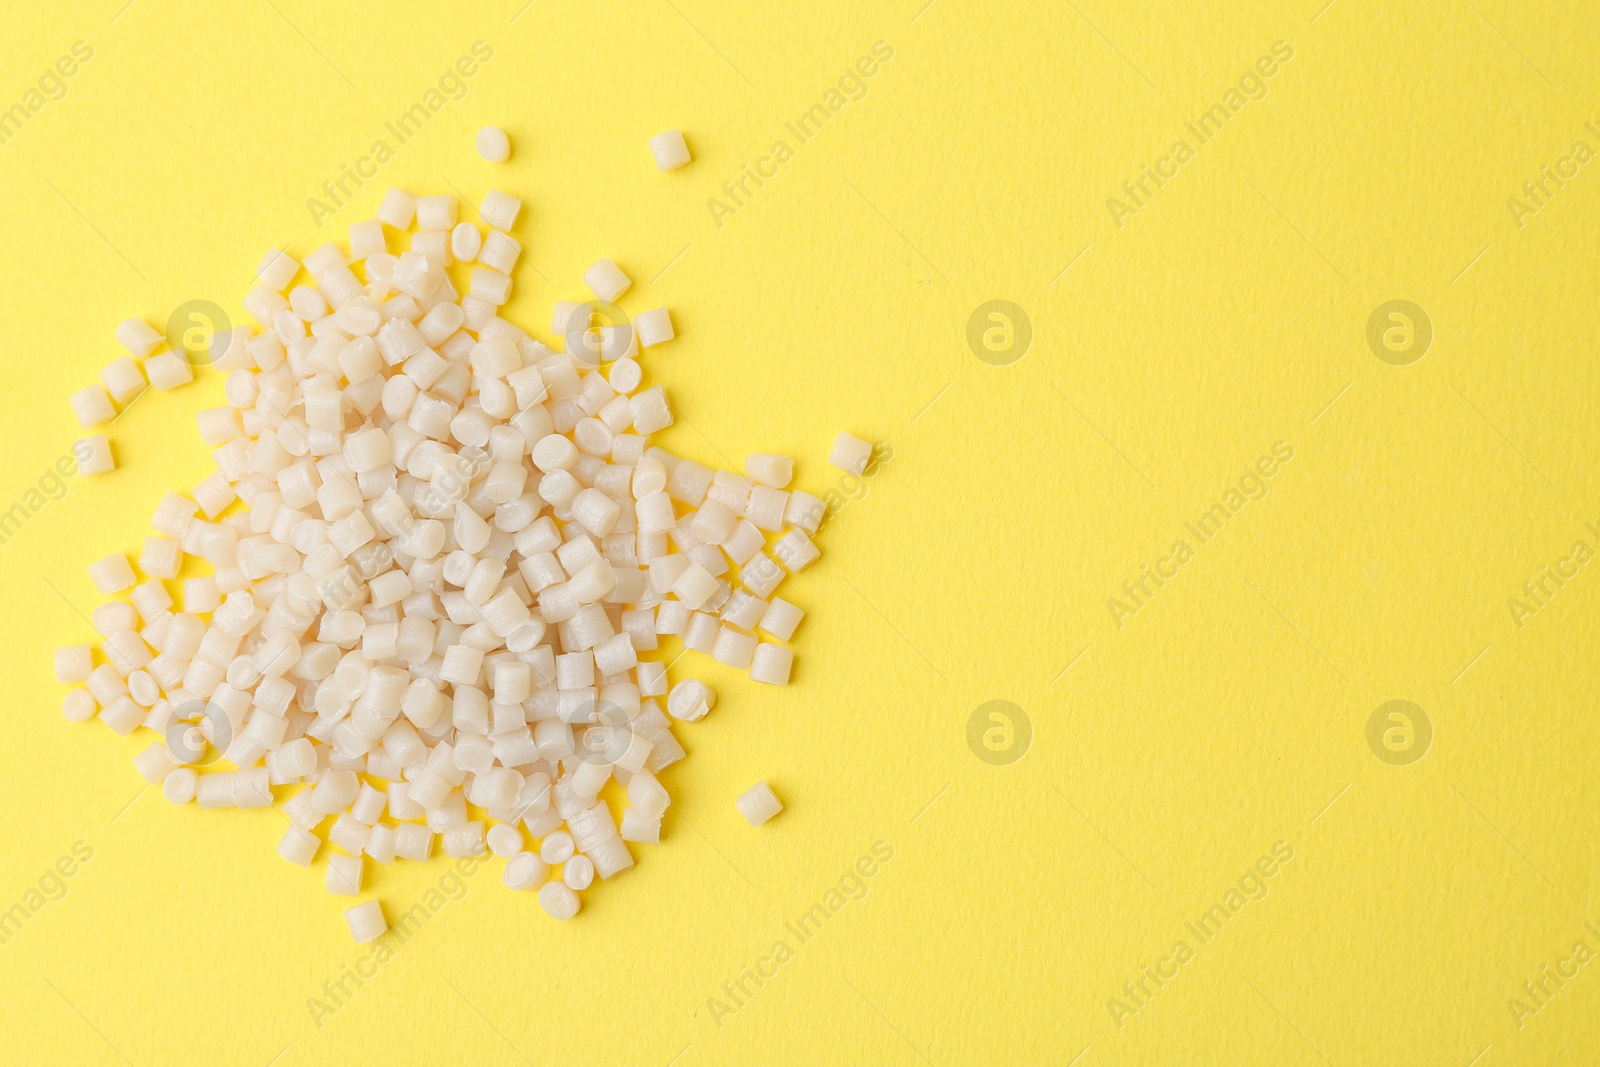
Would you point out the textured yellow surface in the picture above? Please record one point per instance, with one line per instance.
(1183, 740)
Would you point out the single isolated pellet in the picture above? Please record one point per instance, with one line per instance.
(772, 664)
(653, 327)
(606, 280)
(758, 804)
(73, 664)
(850, 454)
(669, 149)
(366, 922)
(93, 455)
(92, 406)
(493, 144)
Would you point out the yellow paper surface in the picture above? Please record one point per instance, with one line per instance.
(1179, 733)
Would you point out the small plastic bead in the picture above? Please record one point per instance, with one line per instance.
(168, 370)
(500, 210)
(366, 239)
(769, 469)
(524, 871)
(850, 454)
(93, 455)
(73, 664)
(780, 619)
(493, 144)
(344, 875)
(578, 872)
(436, 212)
(123, 379)
(640, 828)
(653, 327)
(277, 268)
(298, 846)
(92, 406)
(556, 848)
(690, 700)
(138, 337)
(465, 242)
(669, 150)
(772, 664)
(179, 787)
(558, 902)
(505, 840)
(78, 706)
(112, 574)
(398, 209)
(366, 922)
(733, 649)
(606, 280)
(758, 804)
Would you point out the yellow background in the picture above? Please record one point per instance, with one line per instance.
(1227, 714)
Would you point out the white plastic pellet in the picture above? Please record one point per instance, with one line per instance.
(525, 871)
(758, 804)
(558, 901)
(606, 280)
(93, 455)
(112, 574)
(769, 469)
(277, 269)
(366, 239)
(653, 327)
(298, 846)
(493, 144)
(397, 209)
(92, 406)
(123, 379)
(771, 664)
(556, 848)
(780, 619)
(499, 210)
(733, 649)
(465, 242)
(344, 875)
(138, 337)
(850, 454)
(436, 212)
(669, 150)
(73, 664)
(168, 370)
(578, 872)
(690, 700)
(504, 840)
(366, 922)
(179, 787)
(640, 828)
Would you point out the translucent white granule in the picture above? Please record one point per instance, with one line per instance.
(443, 556)
(493, 144)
